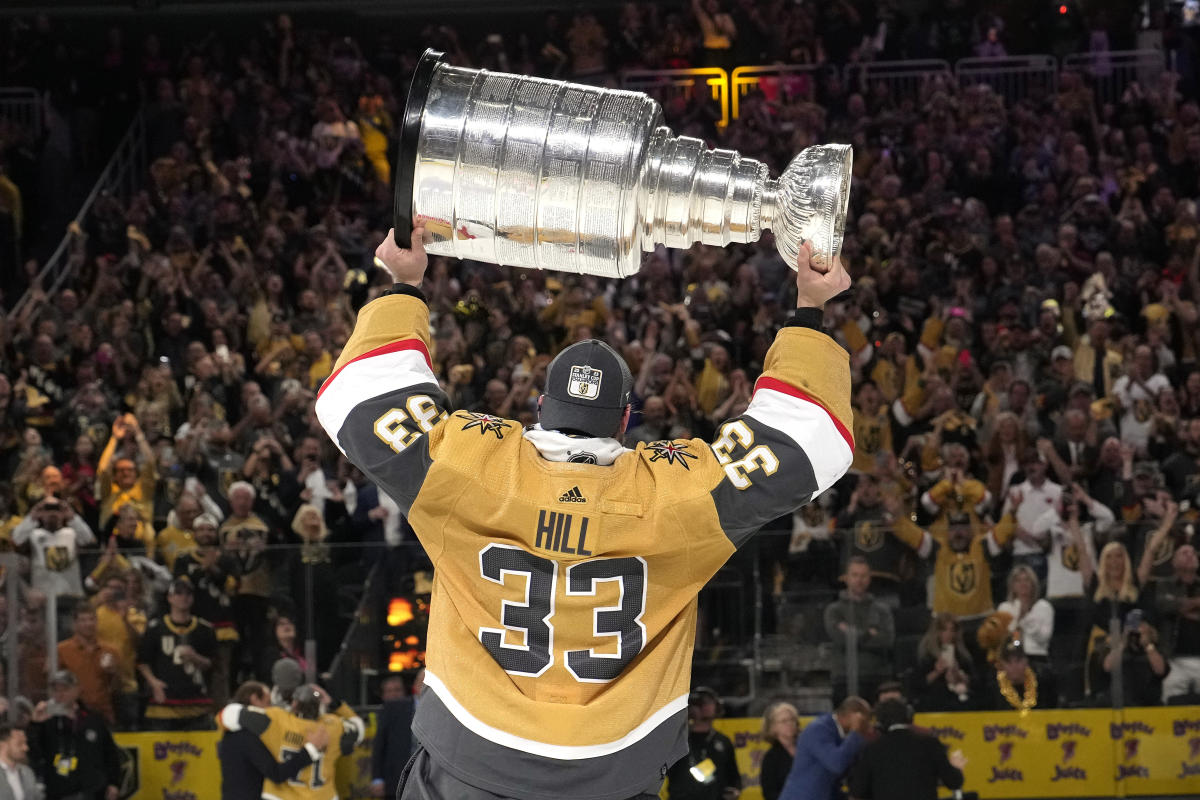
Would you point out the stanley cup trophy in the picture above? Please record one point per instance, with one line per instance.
(547, 174)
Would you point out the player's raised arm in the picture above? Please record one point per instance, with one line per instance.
(382, 403)
(794, 440)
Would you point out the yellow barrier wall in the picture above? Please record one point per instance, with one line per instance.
(170, 766)
(1086, 753)
(1082, 753)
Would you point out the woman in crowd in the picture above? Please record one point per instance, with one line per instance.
(944, 669)
(1032, 615)
(781, 726)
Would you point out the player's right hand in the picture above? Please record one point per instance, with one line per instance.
(405, 266)
(814, 288)
(318, 737)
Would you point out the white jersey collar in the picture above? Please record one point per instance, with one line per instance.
(555, 446)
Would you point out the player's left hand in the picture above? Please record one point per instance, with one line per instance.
(405, 266)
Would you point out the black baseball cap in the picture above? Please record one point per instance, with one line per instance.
(181, 586)
(588, 386)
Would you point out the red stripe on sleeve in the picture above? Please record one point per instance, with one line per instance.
(392, 347)
(786, 388)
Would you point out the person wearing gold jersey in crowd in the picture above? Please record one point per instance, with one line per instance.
(119, 480)
(962, 572)
(872, 429)
(119, 625)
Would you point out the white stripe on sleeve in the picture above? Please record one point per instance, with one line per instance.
(810, 427)
(366, 378)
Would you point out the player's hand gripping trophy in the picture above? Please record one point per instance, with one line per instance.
(553, 175)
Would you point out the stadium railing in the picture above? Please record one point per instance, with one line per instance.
(1111, 73)
(902, 80)
(1015, 78)
(25, 107)
(122, 176)
(1012, 77)
(775, 82)
(665, 85)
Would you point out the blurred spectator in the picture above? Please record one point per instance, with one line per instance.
(586, 42)
(872, 428)
(1015, 685)
(717, 29)
(962, 574)
(71, 746)
(119, 478)
(213, 574)
(178, 537)
(1135, 653)
(1027, 501)
(337, 139)
(957, 492)
(244, 538)
(825, 750)
(130, 536)
(22, 782)
(1182, 468)
(1032, 616)
(1072, 526)
(1074, 454)
(781, 727)
(93, 664)
(119, 625)
(313, 574)
(1159, 537)
(1096, 362)
(54, 534)
(991, 46)
(1179, 610)
(283, 646)
(174, 658)
(709, 771)
(856, 613)
(394, 741)
(1136, 393)
(902, 762)
(1111, 586)
(869, 522)
(945, 671)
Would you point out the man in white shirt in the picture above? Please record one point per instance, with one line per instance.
(1028, 501)
(1136, 393)
(54, 533)
(1063, 578)
(19, 781)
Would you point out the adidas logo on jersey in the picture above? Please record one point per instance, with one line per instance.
(573, 495)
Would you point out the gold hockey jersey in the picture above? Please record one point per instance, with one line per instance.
(566, 570)
(284, 733)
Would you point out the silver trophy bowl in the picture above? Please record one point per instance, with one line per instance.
(545, 174)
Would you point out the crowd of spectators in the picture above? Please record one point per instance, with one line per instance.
(1023, 334)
